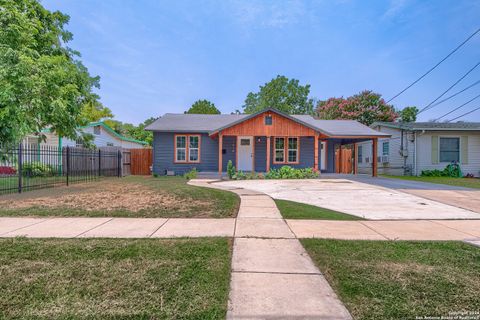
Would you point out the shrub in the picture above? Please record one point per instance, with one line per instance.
(155, 175)
(192, 174)
(287, 172)
(5, 170)
(37, 169)
(452, 170)
(239, 175)
(230, 169)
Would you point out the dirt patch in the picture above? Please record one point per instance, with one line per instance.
(101, 197)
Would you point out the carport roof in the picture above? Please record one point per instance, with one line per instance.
(210, 123)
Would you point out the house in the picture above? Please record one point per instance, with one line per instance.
(103, 136)
(417, 146)
(253, 142)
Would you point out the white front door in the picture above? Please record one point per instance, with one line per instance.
(323, 155)
(245, 153)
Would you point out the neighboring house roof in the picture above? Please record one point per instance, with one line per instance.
(108, 129)
(212, 123)
(431, 126)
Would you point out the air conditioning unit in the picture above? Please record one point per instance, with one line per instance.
(383, 159)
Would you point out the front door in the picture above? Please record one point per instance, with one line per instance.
(245, 153)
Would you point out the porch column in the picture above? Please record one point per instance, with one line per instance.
(374, 156)
(355, 158)
(315, 161)
(220, 155)
(268, 154)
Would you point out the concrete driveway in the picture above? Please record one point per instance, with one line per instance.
(367, 200)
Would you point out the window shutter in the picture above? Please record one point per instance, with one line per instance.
(464, 149)
(434, 149)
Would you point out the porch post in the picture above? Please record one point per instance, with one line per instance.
(374, 155)
(268, 154)
(355, 158)
(220, 155)
(315, 161)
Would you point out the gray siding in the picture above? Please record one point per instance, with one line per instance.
(163, 155)
(230, 147)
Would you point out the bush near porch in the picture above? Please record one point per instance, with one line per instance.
(132, 196)
(284, 172)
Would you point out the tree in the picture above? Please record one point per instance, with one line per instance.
(203, 107)
(94, 110)
(42, 82)
(132, 131)
(283, 94)
(365, 107)
(409, 114)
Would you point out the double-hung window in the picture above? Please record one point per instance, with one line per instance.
(187, 148)
(360, 154)
(449, 149)
(286, 150)
(386, 148)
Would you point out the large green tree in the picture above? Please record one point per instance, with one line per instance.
(365, 107)
(283, 94)
(133, 131)
(42, 82)
(203, 107)
(409, 114)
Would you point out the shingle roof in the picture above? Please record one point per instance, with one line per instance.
(434, 126)
(210, 123)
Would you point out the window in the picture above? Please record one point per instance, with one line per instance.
(193, 147)
(279, 149)
(449, 149)
(187, 148)
(96, 130)
(386, 148)
(292, 149)
(286, 150)
(79, 143)
(109, 144)
(268, 120)
(360, 154)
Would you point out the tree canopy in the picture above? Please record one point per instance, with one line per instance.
(94, 111)
(42, 82)
(409, 114)
(365, 107)
(133, 131)
(283, 94)
(203, 107)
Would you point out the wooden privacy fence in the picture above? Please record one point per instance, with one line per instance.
(343, 160)
(140, 161)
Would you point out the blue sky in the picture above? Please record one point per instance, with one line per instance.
(157, 56)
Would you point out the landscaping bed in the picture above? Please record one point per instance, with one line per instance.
(133, 196)
(114, 278)
(297, 210)
(400, 280)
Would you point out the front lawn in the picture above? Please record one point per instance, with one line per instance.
(297, 210)
(400, 280)
(458, 182)
(114, 278)
(132, 196)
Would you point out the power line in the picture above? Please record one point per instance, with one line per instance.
(463, 115)
(461, 106)
(449, 88)
(455, 94)
(435, 66)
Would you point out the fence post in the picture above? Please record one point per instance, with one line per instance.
(119, 161)
(68, 164)
(99, 162)
(20, 168)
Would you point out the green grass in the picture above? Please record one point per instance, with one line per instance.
(114, 278)
(132, 196)
(458, 182)
(400, 280)
(297, 210)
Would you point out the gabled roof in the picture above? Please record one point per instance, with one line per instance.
(431, 126)
(213, 123)
(110, 130)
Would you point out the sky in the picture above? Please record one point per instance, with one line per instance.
(155, 56)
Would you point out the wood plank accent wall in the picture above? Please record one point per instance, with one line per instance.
(140, 161)
(281, 126)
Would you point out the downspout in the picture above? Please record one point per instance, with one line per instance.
(415, 154)
(402, 151)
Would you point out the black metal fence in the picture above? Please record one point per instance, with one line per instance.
(35, 166)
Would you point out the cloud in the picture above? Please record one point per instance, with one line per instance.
(395, 8)
(273, 14)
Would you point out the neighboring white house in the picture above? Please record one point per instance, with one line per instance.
(418, 146)
(103, 136)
